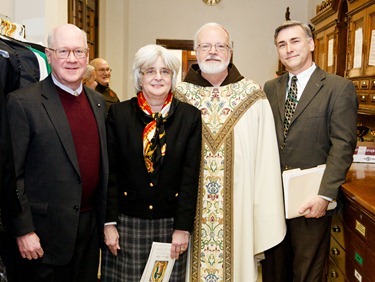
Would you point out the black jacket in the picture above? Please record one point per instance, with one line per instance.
(129, 190)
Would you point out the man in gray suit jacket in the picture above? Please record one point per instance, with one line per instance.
(58, 135)
(321, 130)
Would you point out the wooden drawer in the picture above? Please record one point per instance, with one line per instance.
(337, 230)
(337, 254)
(360, 222)
(347, 266)
(334, 273)
(354, 247)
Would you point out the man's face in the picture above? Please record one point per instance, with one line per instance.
(213, 61)
(294, 49)
(103, 72)
(68, 71)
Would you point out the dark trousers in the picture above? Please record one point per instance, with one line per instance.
(82, 268)
(302, 255)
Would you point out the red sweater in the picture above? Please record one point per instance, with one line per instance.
(86, 141)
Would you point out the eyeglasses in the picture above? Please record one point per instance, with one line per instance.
(63, 53)
(151, 72)
(221, 47)
(104, 70)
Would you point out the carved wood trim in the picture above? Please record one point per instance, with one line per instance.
(325, 9)
(327, 5)
(176, 44)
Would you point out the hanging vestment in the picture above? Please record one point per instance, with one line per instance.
(22, 64)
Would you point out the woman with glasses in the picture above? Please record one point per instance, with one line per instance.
(154, 145)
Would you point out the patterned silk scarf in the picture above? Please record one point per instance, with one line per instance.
(154, 142)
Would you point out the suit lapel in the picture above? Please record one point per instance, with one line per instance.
(56, 113)
(312, 88)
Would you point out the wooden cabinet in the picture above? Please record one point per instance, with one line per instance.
(345, 45)
(330, 35)
(325, 44)
(361, 27)
(361, 55)
(352, 249)
(361, 59)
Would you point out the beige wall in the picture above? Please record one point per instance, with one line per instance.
(251, 24)
(127, 25)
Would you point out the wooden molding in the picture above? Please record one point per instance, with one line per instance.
(176, 44)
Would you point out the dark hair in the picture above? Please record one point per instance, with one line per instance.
(288, 24)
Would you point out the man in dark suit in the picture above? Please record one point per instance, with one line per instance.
(58, 135)
(316, 126)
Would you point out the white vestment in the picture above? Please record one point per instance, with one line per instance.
(240, 210)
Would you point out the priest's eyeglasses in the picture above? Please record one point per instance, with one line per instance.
(220, 47)
(151, 72)
(63, 53)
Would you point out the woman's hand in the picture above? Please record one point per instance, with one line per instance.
(111, 238)
(180, 243)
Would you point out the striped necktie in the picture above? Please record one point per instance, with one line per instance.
(290, 104)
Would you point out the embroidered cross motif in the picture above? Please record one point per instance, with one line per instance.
(290, 104)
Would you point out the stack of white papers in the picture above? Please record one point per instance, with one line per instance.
(300, 186)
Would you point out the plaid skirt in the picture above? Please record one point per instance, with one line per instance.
(136, 237)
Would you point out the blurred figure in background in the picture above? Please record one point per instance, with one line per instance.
(89, 77)
(103, 75)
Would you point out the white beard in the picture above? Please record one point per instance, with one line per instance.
(213, 67)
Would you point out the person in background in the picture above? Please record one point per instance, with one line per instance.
(321, 129)
(103, 75)
(154, 149)
(58, 135)
(240, 207)
(89, 77)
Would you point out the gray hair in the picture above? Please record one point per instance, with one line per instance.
(288, 24)
(210, 25)
(88, 73)
(51, 34)
(148, 55)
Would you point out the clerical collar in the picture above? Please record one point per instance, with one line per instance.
(67, 89)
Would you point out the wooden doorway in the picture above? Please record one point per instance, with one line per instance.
(84, 14)
(188, 53)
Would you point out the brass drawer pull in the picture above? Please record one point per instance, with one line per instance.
(335, 251)
(334, 274)
(336, 229)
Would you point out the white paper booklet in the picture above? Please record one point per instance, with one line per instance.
(300, 186)
(159, 264)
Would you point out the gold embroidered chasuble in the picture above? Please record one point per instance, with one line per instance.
(213, 249)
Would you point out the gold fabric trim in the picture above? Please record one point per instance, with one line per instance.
(220, 142)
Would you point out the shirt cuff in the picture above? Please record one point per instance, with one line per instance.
(326, 198)
(110, 223)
